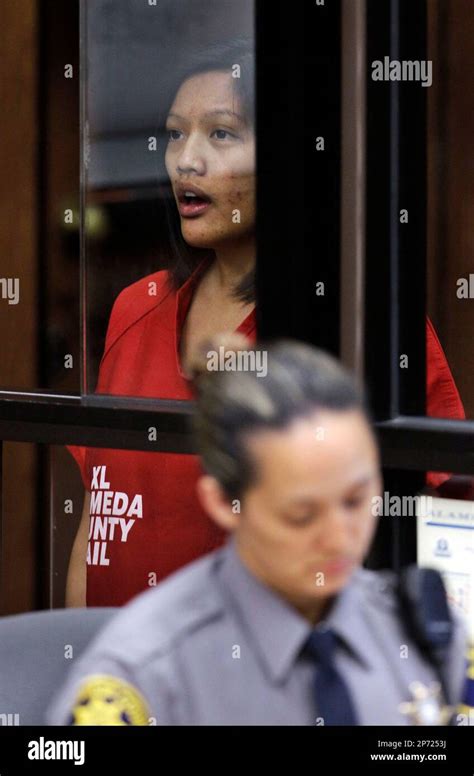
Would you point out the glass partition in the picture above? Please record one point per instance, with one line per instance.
(166, 197)
(39, 217)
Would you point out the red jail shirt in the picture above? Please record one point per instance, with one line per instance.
(146, 521)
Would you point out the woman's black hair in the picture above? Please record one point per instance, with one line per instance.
(232, 405)
(219, 56)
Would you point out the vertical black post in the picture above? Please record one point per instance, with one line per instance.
(396, 245)
(298, 170)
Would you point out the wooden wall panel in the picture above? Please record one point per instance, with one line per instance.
(18, 259)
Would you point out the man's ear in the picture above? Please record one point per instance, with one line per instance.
(216, 503)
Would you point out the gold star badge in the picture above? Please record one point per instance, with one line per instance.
(107, 700)
(426, 708)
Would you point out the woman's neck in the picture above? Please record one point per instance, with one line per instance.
(233, 263)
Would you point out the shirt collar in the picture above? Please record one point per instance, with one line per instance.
(278, 631)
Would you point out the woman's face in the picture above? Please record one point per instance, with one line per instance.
(307, 522)
(211, 153)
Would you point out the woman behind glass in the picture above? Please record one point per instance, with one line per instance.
(141, 519)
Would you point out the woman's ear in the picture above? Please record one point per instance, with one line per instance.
(216, 503)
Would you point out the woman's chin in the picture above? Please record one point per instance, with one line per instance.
(196, 241)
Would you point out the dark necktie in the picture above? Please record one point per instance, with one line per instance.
(332, 696)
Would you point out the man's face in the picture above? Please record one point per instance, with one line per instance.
(212, 148)
(307, 523)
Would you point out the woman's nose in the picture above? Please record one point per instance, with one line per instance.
(191, 157)
(335, 531)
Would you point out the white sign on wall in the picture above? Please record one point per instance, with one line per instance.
(445, 534)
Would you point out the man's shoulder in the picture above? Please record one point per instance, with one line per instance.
(156, 621)
(136, 301)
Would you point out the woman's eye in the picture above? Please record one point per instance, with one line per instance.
(174, 134)
(223, 133)
(300, 519)
(354, 503)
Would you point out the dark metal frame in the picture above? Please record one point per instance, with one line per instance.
(97, 421)
(395, 308)
(411, 443)
(396, 288)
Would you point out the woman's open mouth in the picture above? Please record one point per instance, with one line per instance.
(191, 204)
